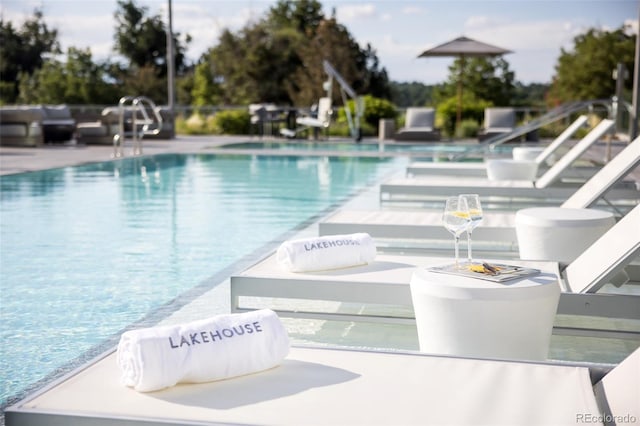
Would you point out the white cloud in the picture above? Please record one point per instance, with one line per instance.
(353, 12)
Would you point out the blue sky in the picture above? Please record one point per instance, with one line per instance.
(535, 30)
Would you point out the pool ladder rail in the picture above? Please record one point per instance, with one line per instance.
(140, 122)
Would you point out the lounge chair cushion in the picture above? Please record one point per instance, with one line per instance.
(420, 118)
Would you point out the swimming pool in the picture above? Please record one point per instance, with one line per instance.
(89, 250)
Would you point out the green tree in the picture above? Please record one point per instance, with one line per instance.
(405, 94)
(78, 80)
(22, 51)
(585, 72)
(279, 58)
(142, 40)
(486, 79)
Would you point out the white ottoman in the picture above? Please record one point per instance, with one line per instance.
(527, 153)
(463, 316)
(509, 169)
(559, 234)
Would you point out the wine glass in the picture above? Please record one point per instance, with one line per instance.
(475, 216)
(456, 218)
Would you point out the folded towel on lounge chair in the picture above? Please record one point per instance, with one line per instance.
(327, 252)
(217, 348)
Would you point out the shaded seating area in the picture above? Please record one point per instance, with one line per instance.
(419, 125)
(35, 125)
(497, 121)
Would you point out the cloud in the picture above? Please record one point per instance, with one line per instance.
(353, 12)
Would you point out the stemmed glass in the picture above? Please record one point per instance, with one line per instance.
(475, 216)
(455, 219)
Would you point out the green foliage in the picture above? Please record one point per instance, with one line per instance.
(77, 81)
(585, 72)
(205, 91)
(279, 58)
(374, 110)
(22, 51)
(143, 40)
(468, 129)
(230, 122)
(472, 109)
(411, 94)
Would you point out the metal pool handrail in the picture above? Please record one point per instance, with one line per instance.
(147, 125)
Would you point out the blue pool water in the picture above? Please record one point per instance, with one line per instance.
(87, 251)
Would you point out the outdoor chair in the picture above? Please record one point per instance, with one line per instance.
(419, 125)
(497, 121)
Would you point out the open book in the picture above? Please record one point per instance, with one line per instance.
(495, 272)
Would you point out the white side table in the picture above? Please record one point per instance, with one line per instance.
(559, 234)
(526, 153)
(463, 316)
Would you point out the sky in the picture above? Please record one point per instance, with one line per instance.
(534, 30)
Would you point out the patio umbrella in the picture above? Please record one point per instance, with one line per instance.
(463, 47)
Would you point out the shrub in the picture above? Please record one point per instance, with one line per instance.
(231, 122)
(374, 110)
(472, 109)
(468, 129)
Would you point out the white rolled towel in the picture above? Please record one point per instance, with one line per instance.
(327, 252)
(220, 347)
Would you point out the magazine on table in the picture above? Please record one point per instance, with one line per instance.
(495, 272)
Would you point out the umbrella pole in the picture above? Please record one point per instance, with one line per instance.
(459, 111)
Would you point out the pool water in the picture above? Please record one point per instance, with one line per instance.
(87, 251)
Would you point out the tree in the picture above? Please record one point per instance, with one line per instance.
(279, 59)
(143, 41)
(78, 80)
(585, 72)
(486, 79)
(23, 51)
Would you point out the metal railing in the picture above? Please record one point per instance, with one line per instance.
(140, 123)
(552, 116)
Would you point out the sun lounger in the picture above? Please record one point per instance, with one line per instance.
(332, 386)
(386, 281)
(547, 187)
(496, 226)
(455, 168)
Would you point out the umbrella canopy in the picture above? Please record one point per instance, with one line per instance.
(463, 47)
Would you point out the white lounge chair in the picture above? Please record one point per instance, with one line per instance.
(547, 187)
(322, 120)
(456, 168)
(496, 226)
(386, 281)
(329, 386)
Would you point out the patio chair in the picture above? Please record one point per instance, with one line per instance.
(385, 282)
(456, 168)
(497, 121)
(496, 226)
(419, 125)
(322, 120)
(350, 387)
